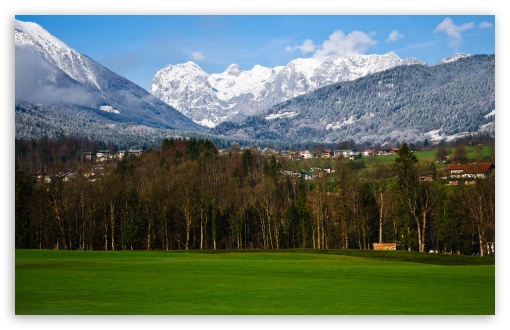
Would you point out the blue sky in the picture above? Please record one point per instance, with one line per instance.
(137, 46)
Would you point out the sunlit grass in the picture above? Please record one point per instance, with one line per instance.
(252, 282)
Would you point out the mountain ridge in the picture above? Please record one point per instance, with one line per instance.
(234, 94)
(52, 75)
(410, 103)
(69, 93)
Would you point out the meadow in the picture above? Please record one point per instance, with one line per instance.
(290, 282)
(474, 154)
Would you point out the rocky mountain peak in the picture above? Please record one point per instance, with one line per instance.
(233, 70)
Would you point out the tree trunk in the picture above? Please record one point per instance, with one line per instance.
(112, 224)
(364, 232)
(213, 222)
(420, 243)
(105, 232)
(202, 225)
(61, 228)
(424, 228)
(318, 217)
(165, 228)
(92, 223)
(188, 229)
(188, 215)
(270, 236)
(381, 207)
(344, 232)
(149, 222)
(277, 234)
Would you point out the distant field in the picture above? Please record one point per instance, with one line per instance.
(473, 152)
(333, 282)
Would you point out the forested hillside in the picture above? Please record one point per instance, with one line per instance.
(55, 122)
(186, 195)
(403, 103)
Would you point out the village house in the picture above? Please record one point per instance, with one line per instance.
(426, 176)
(306, 154)
(470, 171)
(135, 152)
(105, 155)
(68, 176)
(354, 154)
(345, 153)
(326, 153)
(42, 177)
(120, 154)
(369, 152)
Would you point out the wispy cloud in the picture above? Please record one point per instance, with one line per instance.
(454, 32)
(198, 56)
(420, 46)
(485, 25)
(338, 43)
(394, 36)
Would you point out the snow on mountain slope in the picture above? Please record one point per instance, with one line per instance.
(50, 73)
(234, 82)
(452, 58)
(236, 94)
(55, 52)
(405, 103)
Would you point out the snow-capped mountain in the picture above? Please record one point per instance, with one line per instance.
(452, 58)
(405, 103)
(210, 99)
(50, 74)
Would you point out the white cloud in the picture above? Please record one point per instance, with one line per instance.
(454, 32)
(307, 47)
(394, 36)
(354, 43)
(485, 25)
(198, 56)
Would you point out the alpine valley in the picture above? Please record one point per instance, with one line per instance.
(376, 98)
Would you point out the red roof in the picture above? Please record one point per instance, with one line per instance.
(473, 168)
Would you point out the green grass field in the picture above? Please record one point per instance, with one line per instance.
(333, 282)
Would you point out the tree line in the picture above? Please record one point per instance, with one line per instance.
(185, 195)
